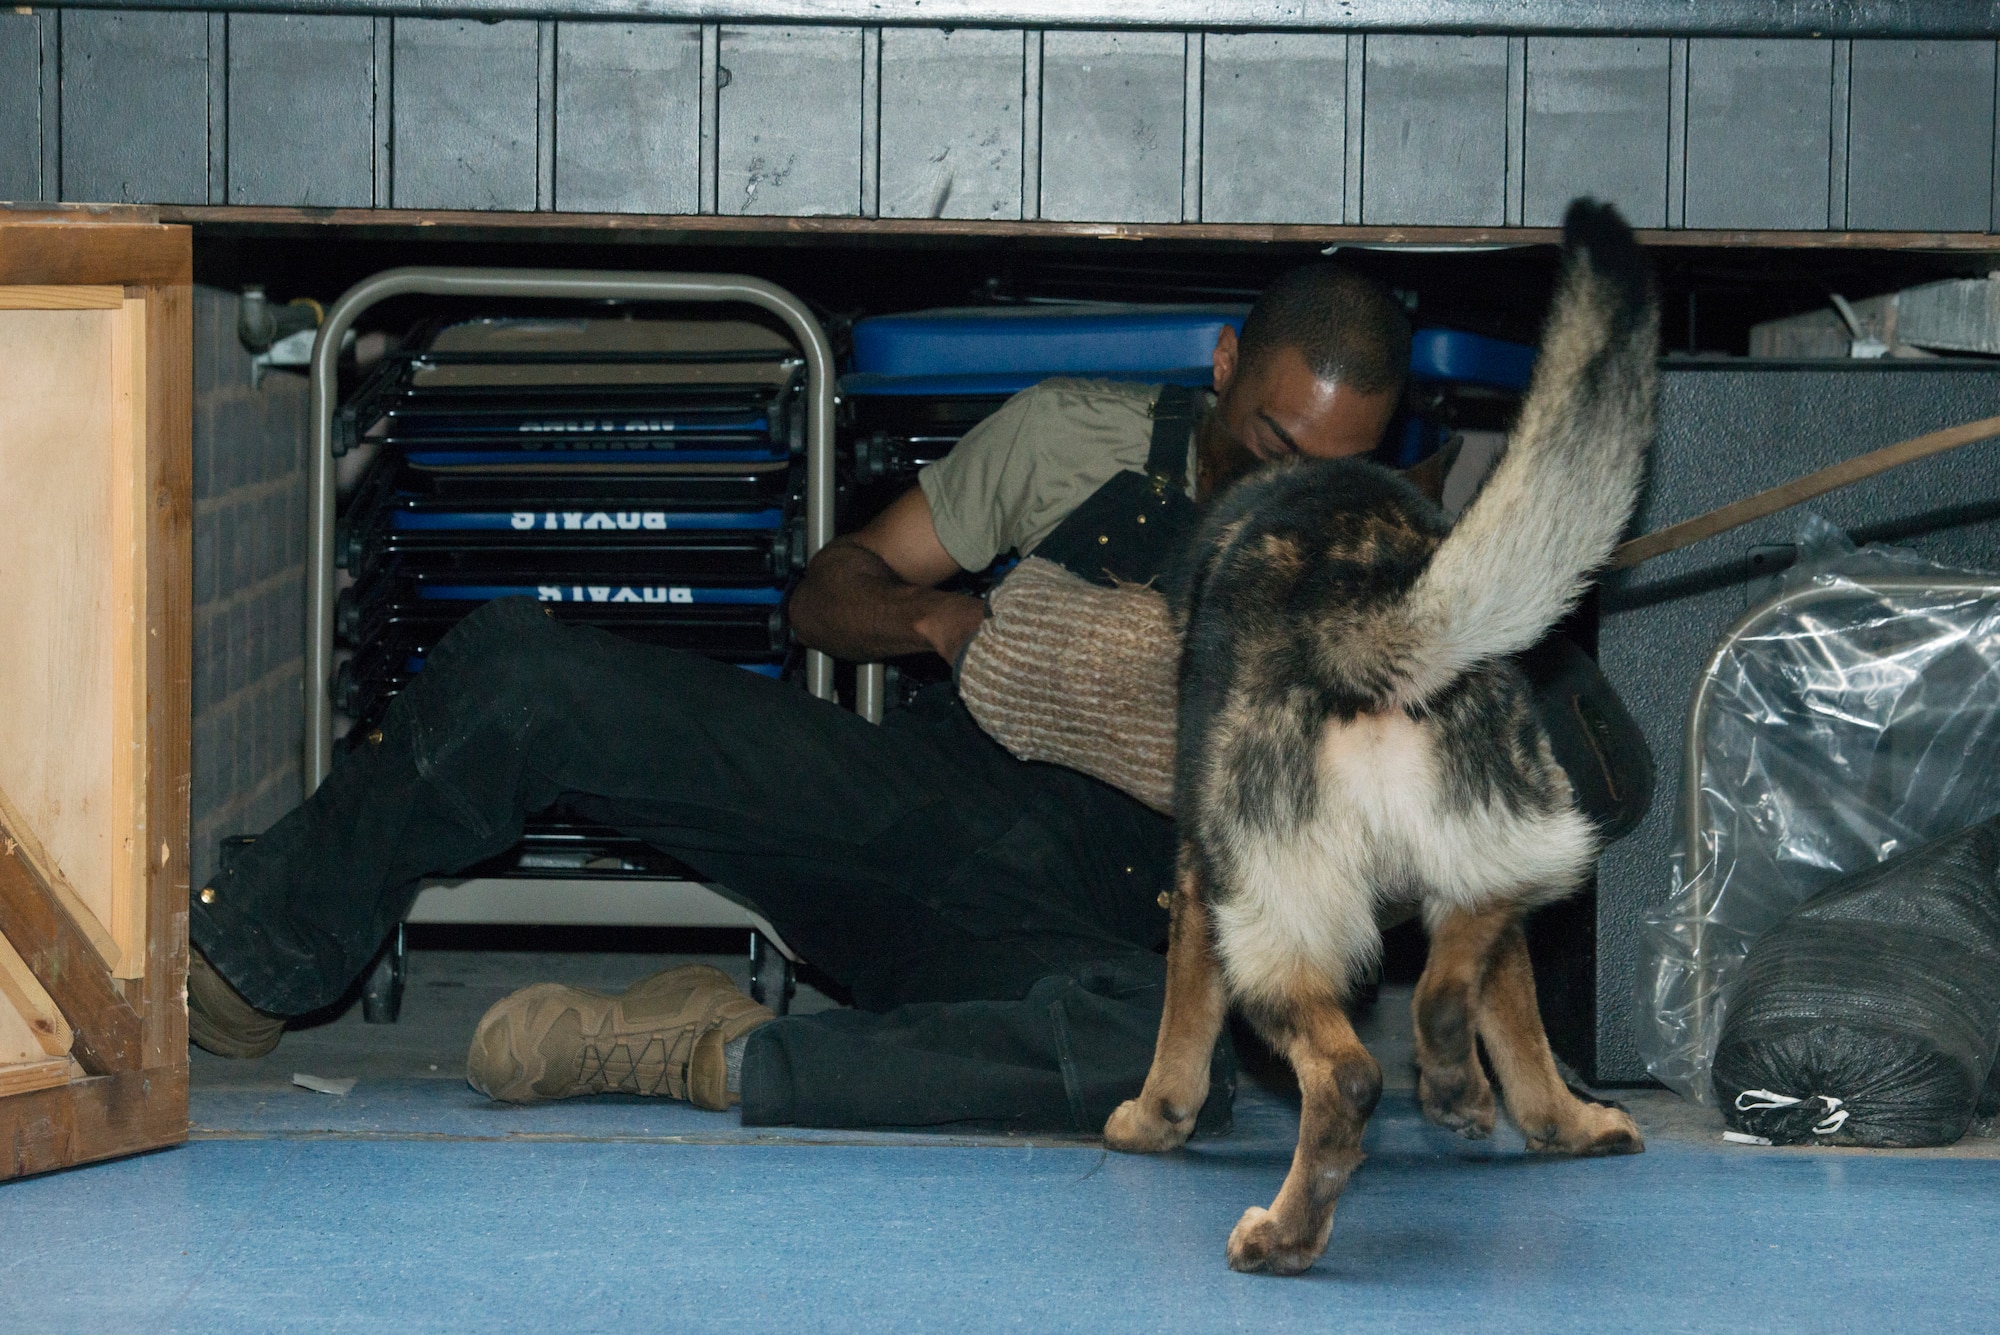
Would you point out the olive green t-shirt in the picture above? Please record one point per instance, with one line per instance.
(1018, 474)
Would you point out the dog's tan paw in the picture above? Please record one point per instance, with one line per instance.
(1593, 1129)
(1456, 1102)
(1258, 1246)
(1133, 1129)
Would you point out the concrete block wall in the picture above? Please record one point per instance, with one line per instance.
(249, 585)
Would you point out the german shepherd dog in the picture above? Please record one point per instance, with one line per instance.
(1353, 737)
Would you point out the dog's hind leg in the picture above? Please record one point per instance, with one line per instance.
(1510, 1025)
(1451, 1084)
(1176, 1086)
(1340, 1082)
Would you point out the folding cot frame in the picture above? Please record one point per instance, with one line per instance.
(623, 902)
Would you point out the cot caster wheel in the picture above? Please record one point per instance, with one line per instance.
(773, 982)
(382, 992)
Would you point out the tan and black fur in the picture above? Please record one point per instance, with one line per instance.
(1353, 737)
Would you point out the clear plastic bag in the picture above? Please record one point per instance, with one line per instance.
(1857, 715)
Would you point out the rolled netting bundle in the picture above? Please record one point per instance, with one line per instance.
(1870, 1014)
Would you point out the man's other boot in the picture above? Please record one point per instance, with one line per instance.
(663, 1036)
(222, 1022)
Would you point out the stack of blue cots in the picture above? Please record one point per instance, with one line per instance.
(639, 475)
(920, 381)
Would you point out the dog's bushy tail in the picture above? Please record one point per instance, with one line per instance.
(1559, 498)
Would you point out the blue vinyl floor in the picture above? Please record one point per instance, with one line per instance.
(413, 1205)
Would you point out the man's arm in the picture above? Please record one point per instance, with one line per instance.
(872, 594)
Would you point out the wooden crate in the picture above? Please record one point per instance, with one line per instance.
(96, 385)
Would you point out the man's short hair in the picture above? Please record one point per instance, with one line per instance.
(1348, 328)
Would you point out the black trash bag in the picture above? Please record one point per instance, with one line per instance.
(1870, 1014)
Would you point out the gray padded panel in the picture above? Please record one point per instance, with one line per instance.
(301, 111)
(1920, 136)
(789, 121)
(628, 117)
(1596, 125)
(951, 123)
(1112, 122)
(1727, 430)
(1759, 142)
(134, 107)
(465, 113)
(20, 107)
(1434, 147)
(1251, 83)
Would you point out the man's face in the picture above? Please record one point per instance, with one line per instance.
(1280, 408)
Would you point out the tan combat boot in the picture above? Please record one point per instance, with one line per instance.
(221, 1021)
(661, 1036)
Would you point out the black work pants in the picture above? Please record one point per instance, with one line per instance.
(996, 921)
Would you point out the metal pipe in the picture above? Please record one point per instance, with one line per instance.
(870, 685)
(548, 284)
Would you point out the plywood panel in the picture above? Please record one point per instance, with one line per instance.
(72, 728)
(31, 1004)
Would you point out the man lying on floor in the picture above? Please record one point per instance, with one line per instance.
(996, 921)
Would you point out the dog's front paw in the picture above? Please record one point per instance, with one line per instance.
(1135, 1129)
(1457, 1102)
(1593, 1129)
(1257, 1245)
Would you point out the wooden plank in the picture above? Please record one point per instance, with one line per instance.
(435, 225)
(31, 1001)
(26, 1077)
(108, 1033)
(97, 1118)
(127, 551)
(23, 1042)
(168, 506)
(49, 246)
(20, 840)
(40, 297)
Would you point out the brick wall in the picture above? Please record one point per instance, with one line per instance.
(249, 585)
